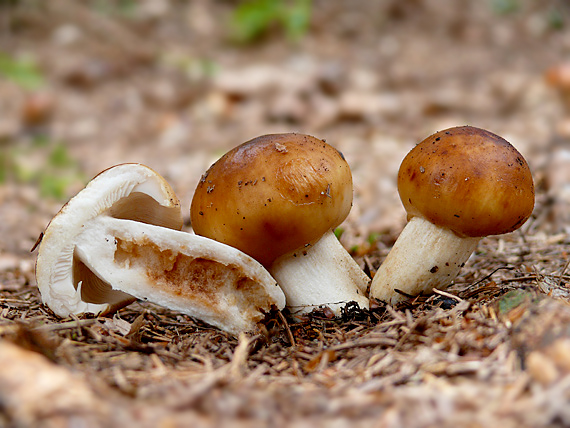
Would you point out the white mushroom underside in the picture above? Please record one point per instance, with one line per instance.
(321, 275)
(188, 273)
(54, 266)
(424, 257)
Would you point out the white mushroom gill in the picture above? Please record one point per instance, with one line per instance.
(64, 286)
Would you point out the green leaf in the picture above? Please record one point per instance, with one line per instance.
(59, 157)
(251, 19)
(505, 7)
(338, 232)
(297, 20)
(4, 166)
(53, 177)
(373, 237)
(23, 72)
(512, 299)
(555, 19)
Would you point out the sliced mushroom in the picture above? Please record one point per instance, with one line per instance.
(126, 221)
(185, 272)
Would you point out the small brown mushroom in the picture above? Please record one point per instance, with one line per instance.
(277, 198)
(457, 186)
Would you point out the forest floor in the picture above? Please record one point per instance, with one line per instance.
(84, 86)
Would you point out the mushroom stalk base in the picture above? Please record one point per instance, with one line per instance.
(321, 275)
(424, 257)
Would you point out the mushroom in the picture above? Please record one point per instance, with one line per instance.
(457, 186)
(119, 240)
(278, 198)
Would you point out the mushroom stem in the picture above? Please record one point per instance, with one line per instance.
(324, 274)
(424, 257)
(188, 273)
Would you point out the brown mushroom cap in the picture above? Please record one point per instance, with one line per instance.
(468, 180)
(272, 195)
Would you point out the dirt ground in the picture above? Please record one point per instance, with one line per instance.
(87, 85)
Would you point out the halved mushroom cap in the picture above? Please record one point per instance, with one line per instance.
(181, 271)
(127, 191)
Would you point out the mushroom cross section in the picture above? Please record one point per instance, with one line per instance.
(118, 240)
(457, 186)
(277, 198)
(203, 278)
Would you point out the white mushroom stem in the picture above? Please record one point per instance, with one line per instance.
(424, 257)
(321, 275)
(188, 273)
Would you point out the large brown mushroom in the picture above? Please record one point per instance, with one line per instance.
(457, 186)
(278, 198)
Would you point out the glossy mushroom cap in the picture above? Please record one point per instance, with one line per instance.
(468, 180)
(272, 195)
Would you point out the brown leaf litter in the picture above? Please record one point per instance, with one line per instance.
(492, 349)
